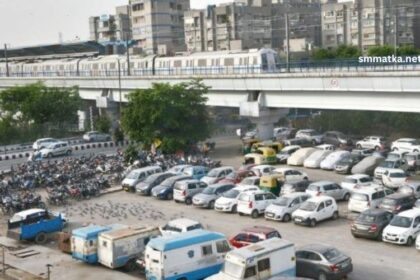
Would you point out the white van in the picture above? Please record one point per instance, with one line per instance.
(181, 225)
(193, 255)
(263, 260)
(138, 175)
(403, 228)
(367, 198)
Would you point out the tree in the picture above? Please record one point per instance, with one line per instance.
(175, 115)
(384, 50)
(347, 52)
(103, 123)
(322, 54)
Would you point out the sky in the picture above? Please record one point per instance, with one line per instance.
(38, 22)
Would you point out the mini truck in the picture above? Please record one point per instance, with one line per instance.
(34, 224)
(123, 247)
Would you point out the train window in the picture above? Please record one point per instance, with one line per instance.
(255, 60)
(228, 61)
(264, 61)
(177, 63)
(202, 62)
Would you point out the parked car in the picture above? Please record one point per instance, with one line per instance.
(387, 165)
(403, 228)
(315, 159)
(298, 157)
(345, 165)
(332, 159)
(418, 242)
(228, 202)
(166, 189)
(185, 190)
(294, 187)
(251, 235)
(336, 138)
(311, 135)
(56, 149)
(139, 175)
(43, 143)
(237, 176)
(315, 210)
(284, 206)
(371, 223)
(207, 198)
(286, 134)
(254, 203)
(417, 204)
(328, 188)
(406, 145)
(413, 161)
(303, 142)
(397, 202)
(291, 174)
(356, 181)
(396, 155)
(262, 169)
(318, 261)
(178, 226)
(394, 178)
(412, 188)
(286, 152)
(367, 198)
(217, 174)
(367, 165)
(326, 147)
(250, 181)
(362, 153)
(196, 171)
(145, 187)
(372, 142)
(279, 132)
(179, 169)
(96, 136)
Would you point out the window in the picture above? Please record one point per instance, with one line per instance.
(294, 202)
(321, 206)
(104, 244)
(269, 196)
(190, 254)
(250, 272)
(253, 238)
(416, 222)
(192, 186)
(329, 203)
(90, 243)
(229, 62)
(259, 197)
(207, 250)
(222, 246)
(313, 256)
(263, 264)
(273, 234)
(241, 237)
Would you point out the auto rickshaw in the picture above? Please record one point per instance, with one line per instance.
(247, 145)
(272, 183)
(277, 146)
(263, 155)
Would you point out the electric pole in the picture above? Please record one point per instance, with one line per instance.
(287, 43)
(7, 60)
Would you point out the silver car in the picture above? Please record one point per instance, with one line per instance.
(208, 196)
(96, 136)
(328, 188)
(284, 206)
(184, 191)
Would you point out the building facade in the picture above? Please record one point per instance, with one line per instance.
(111, 27)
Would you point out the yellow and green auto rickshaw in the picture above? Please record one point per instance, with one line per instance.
(247, 145)
(263, 155)
(277, 146)
(272, 183)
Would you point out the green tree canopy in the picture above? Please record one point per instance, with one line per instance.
(176, 115)
(103, 123)
(384, 50)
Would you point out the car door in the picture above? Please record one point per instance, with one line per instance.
(416, 226)
(329, 206)
(239, 240)
(269, 198)
(339, 192)
(264, 268)
(307, 264)
(328, 190)
(259, 202)
(321, 212)
(294, 205)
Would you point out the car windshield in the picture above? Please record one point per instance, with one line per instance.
(399, 221)
(366, 218)
(167, 182)
(359, 196)
(213, 173)
(234, 270)
(393, 156)
(387, 164)
(281, 201)
(209, 191)
(247, 181)
(350, 180)
(189, 171)
(151, 178)
(244, 197)
(133, 175)
(331, 254)
(231, 194)
(389, 202)
(410, 157)
(309, 206)
(397, 175)
(172, 228)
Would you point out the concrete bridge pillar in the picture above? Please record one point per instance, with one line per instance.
(259, 113)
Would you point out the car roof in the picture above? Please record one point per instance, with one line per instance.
(410, 213)
(256, 192)
(188, 181)
(320, 248)
(375, 212)
(259, 229)
(291, 147)
(261, 166)
(405, 139)
(295, 194)
(357, 176)
(223, 168)
(369, 189)
(320, 198)
(218, 185)
(30, 212)
(183, 222)
(322, 183)
(244, 188)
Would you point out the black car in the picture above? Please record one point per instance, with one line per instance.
(336, 138)
(397, 202)
(145, 187)
(295, 186)
(165, 190)
(318, 261)
(345, 165)
(371, 223)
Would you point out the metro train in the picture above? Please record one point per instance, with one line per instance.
(205, 63)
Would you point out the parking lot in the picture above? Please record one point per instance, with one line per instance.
(372, 259)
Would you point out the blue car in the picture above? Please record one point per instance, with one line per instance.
(166, 189)
(196, 172)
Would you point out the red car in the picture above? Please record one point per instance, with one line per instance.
(253, 235)
(246, 167)
(237, 176)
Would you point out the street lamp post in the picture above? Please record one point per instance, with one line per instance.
(120, 91)
(7, 60)
(124, 34)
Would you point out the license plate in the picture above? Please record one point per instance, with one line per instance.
(363, 227)
(270, 215)
(298, 219)
(392, 238)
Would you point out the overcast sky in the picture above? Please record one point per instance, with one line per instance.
(35, 22)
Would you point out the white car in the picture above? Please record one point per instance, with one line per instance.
(286, 152)
(311, 135)
(56, 149)
(372, 142)
(327, 147)
(298, 157)
(356, 181)
(366, 198)
(254, 203)
(42, 143)
(315, 210)
(216, 174)
(406, 145)
(411, 187)
(263, 169)
(328, 188)
(250, 181)
(388, 164)
(291, 174)
(284, 206)
(228, 202)
(403, 228)
(277, 131)
(397, 155)
(178, 226)
(394, 178)
(314, 160)
(332, 159)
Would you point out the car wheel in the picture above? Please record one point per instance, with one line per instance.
(312, 223)
(41, 238)
(49, 155)
(68, 152)
(346, 197)
(314, 143)
(410, 241)
(395, 149)
(358, 146)
(355, 235)
(305, 178)
(211, 204)
(169, 196)
(188, 201)
(131, 266)
(234, 209)
(255, 214)
(377, 148)
(322, 276)
(415, 151)
(335, 215)
(286, 218)
(241, 214)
